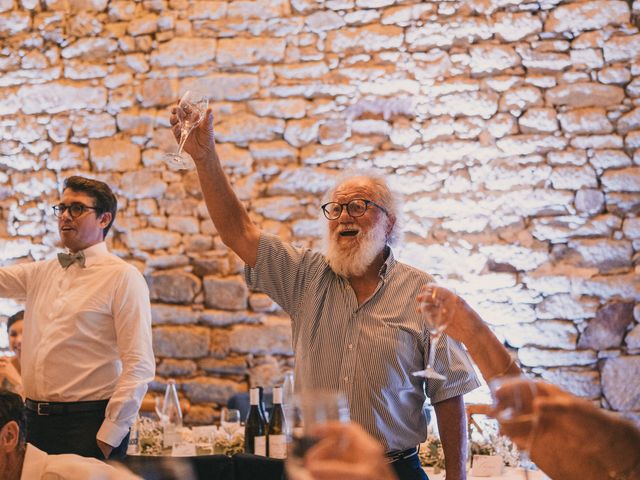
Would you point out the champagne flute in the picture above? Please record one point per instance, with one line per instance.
(230, 421)
(436, 320)
(309, 410)
(192, 108)
(513, 407)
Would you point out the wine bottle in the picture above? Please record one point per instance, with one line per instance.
(277, 438)
(171, 415)
(263, 411)
(255, 429)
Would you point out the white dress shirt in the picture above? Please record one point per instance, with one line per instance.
(87, 334)
(39, 465)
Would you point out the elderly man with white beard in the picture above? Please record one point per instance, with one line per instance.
(356, 328)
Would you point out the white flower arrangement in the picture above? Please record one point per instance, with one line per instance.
(149, 436)
(229, 444)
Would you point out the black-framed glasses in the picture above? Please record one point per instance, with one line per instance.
(355, 208)
(75, 209)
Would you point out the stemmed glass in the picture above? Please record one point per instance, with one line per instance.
(436, 320)
(192, 109)
(309, 410)
(230, 420)
(513, 407)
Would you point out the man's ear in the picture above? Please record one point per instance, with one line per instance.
(106, 218)
(391, 221)
(9, 436)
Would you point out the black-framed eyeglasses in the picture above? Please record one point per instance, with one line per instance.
(355, 208)
(75, 209)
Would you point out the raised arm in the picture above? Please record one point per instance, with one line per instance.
(466, 326)
(228, 214)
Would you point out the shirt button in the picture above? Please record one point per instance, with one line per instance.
(350, 346)
(346, 379)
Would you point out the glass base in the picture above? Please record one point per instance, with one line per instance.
(429, 372)
(179, 161)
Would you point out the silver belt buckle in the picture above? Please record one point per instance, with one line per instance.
(39, 410)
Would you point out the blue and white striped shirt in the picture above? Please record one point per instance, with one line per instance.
(366, 351)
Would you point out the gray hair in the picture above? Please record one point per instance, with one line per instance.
(385, 197)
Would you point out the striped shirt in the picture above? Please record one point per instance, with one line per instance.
(367, 351)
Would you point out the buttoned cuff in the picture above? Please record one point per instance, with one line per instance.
(112, 433)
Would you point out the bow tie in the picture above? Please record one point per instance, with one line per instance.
(67, 259)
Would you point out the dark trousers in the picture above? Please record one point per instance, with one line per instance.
(409, 469)
(70, 433)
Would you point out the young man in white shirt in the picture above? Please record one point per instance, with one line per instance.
(86, 351)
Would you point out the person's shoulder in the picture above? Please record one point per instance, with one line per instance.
(413, 272)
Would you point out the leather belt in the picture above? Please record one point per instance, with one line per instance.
(396, 455)
(65, 408)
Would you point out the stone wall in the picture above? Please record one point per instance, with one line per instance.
(510, 127)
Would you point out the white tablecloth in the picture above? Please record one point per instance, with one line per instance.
(508, 473)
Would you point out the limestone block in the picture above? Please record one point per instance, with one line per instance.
(260, 302)
(620, 392)
(567, 157)
(280, 208)
(537, 357)
(597, 141)
(143, 25)
(121, 10)
(482, 104)
(245, 127)
(184, 52)
(152, 239)
(621, 47)
(34, 184)
(561, 229)
(224, 318)
(608, 327)
(259, 9)
(165, 261)
(80, 70)
(542, 334)
(629, 121)
(333, 131)
(371, 38)
(173, 286)
(604, 159)
(520, 98)
(227, 294)
(565, 306)
(513, 27)
(606, 286)
(589, 15)
(580, 382)
(573, 178)
(184, 224)
(543, 61)
(631, 227)
(274, 337)
(65, 156)
(9, 102)
(90, 48)
(632, 340)
(590, 58)
(303, 181)
(492, 58)
(267, 372)
(320, 154)
(200, 415)
(585, 121)
(633, 87)
(180, 342)
(285, 108)
(538, 120)
(608, 256)
(622, 203)
(162, 314)
(212, 390)
(301, 132)
(504, 175)
(198, 242)
(546, 282)
(13, 23)
(621, 180)
(434, 34)
(228, 366)
(58, 97)
(277, 152)
(169, 367)
(93, 126)
(244, 51)
(301, 71)
(110, 154)
(324, 20)
(527, 144)
(237, 160)
(209, 10)
(585, 94)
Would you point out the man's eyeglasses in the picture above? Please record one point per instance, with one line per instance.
(75, 209)
(355, 208)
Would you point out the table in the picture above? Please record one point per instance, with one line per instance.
(508, 473)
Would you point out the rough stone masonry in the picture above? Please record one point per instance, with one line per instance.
(510, 127)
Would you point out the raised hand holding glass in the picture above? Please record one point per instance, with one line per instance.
(436, 319)
(191, 111)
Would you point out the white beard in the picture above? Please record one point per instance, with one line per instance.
(353, 260)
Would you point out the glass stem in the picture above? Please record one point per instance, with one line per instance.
(184, 133)
(432, 349)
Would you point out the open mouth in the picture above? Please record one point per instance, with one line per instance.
(348, 233)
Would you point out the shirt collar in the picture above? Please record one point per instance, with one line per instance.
(35, 461)
(389, 262)
(93, 253)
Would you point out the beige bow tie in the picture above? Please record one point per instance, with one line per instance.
(67, 259)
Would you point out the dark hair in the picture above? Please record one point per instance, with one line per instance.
(101, 192)
(12, 408)
(14, 318)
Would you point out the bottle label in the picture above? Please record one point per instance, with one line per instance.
(277, 446)
(260, 445)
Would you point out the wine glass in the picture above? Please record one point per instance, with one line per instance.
(309, 410)
(192, 108)
(230, 421)
(159, 403)
(436, 320)
(513, 407)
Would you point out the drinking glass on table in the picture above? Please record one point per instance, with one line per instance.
(308, 411)
(230, 421)
(513, 407)
(436, 319)
(191, 111)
